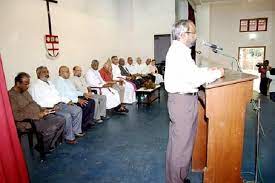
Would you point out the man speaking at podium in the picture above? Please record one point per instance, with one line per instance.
(182, 79)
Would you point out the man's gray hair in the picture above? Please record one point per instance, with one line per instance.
(94, 62)
(179, 28)
(39, 69)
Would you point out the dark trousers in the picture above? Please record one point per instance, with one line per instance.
(138, 83)
(264, 86)
(272, 96)
(183, 113)
(87, 113)
(51, 128)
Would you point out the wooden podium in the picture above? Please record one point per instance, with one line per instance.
(219, 140)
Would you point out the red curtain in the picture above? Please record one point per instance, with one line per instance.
(12, 164)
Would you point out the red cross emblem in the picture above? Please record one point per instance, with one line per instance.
(52, 43)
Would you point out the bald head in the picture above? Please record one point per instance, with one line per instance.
(139, 61)
(64, 72)
(121, 61)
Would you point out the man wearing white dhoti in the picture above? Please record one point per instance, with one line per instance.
(94, 79)
(130, 93)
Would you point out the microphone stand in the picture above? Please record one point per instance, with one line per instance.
(220, 52)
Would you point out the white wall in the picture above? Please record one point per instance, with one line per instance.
(223, 27)
(181, 9)
(219, 23)
(140, 20)
(87, 29)
(203, 33)
(273, 34)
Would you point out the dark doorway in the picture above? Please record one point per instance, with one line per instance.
(162, 43)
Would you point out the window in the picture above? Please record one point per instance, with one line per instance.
(250, 56)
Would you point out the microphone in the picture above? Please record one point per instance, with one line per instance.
(214, 47)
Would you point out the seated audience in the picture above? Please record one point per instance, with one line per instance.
(143, 70)
(154, 71)
(66, 88)
(140, 68)
(131, 77)
(131, 67)
(130, 87)
(106, 75)
(100, 100)
(46, 95)
(94, 80)
(47, 124)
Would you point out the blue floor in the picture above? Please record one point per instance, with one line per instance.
(131, 149)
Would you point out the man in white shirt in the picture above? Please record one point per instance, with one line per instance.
(182, 79)
(66, 88)
(147, 66)
(130, 66)
(45, 94)
(82, 86)
(94, 80)
(142, 70)
(130, 93)
(125, 72)
(140, 67)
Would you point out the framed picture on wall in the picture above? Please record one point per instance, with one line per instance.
(244, 25)
(252, 25)
(262, 24)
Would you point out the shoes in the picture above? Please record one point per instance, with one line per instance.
(51, 149)
(72, 142)
(99, 121)
(105, 117)
(186, 180)
(126, 110)
(80, 134)
(122, 110)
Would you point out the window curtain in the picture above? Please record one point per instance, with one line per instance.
(12, 164)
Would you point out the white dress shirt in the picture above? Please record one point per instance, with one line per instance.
(131, 68)
(146, 69)
(116, 72)
(272, 84)
(130, 93)
(182, 75)
(67, 89)
(80, 83)
(141, 69)
(45, 94)
(93, 78)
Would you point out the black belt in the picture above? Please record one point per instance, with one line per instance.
(192, 94)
